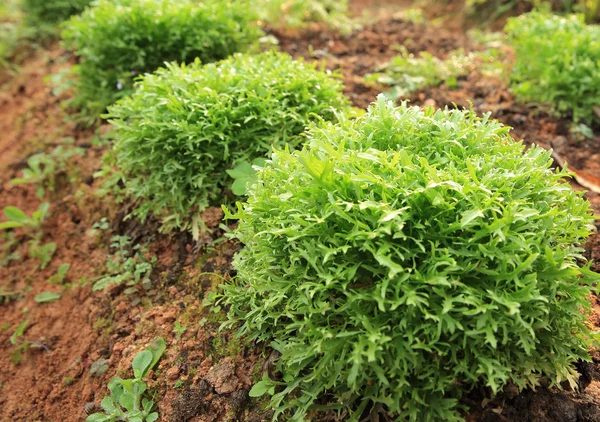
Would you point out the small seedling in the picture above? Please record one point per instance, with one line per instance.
(43, 252)
(179, 330)
(21, 343)
(17, 218)
(128, 264)
(60, 275)
(43, 168)
(47, 297)
(244, 174)
(99, 367)
(126, 401)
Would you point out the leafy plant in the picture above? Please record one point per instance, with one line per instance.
(404, 257)
(407, 73)
(52, 11)
(126, 401)
(17, 218)
(297, 13)
(570, 81)
(128, 265)
(43, 252)
(43, 169)
(60, 275)
(22, 344)
(176, 136)
(47, 297)
(118, 40)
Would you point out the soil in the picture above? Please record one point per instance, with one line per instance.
(205, 374)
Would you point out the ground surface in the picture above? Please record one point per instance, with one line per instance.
(205, 374)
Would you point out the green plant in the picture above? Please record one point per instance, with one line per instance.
(52, 11)
(404, 257)
(21, 344)
(407, 73)
(569, 81)
(60, 275)
(179, 330)
(176, 136)
(297, 13)
(126, 401)
(43, 252)
(129, 264)
(17, 218)
(43, 168)
(118, 40)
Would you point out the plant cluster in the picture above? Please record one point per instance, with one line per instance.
(570, 80)
(407, 73)
(118, 40)
(297, 13)
(129, 264)
(176, 136)
(404, 257)
(126, 401)
(44, 167)
(52, 11)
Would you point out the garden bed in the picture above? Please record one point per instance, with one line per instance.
(205, 374)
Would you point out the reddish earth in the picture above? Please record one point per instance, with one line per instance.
(205, 374)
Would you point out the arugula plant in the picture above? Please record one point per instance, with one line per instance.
(116, 41)
(129, 264)
(185, 126)
(409, 255)
(407, 73)
(126, 401)
(570, 81)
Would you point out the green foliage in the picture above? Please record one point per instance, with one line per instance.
(43, 168)
(176, 136)
(17, 218)
(21, 344)
(60, 275)
(117, 40)
(407, 73)
(129, 264)
(297, 13)
(53, 11)
(569, 80)
(126, 401)
(407, 256)
(42, 252)
(47, 297)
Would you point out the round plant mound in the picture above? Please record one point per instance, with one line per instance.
(186, 126)
(407, 256)
(120, 40)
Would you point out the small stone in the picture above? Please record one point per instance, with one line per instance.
(173, 373)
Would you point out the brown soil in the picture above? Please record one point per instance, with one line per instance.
(205, 374)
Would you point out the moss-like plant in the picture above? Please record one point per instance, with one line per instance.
(185, 126)
(404, 257)
(53, 11)
(117, 40)
(557, 63)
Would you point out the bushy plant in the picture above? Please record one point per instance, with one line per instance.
(53, 11)
(176, 136)
(117, 40)
(557, 63)
(404, 257)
